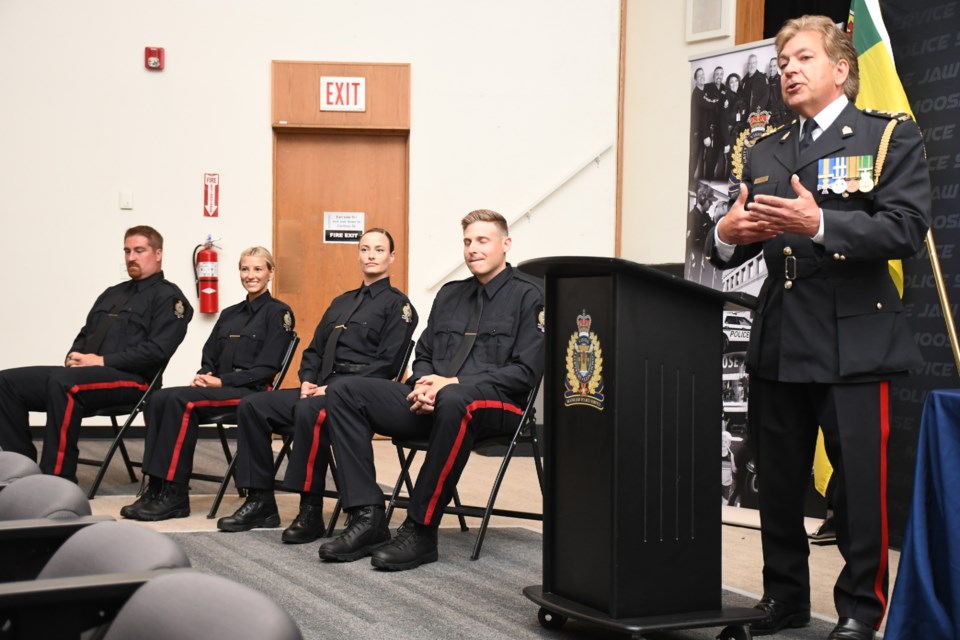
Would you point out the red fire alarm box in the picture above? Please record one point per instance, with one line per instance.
(153, 58)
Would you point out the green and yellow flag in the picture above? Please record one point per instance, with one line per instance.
(880, 89)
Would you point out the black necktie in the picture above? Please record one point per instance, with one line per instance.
(330, 347)
(469, 337)
(807, 138)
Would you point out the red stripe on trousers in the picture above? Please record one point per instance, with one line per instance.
(467, 417)
(183, 428)
(884, 534)
(314, 447)
(65, 426)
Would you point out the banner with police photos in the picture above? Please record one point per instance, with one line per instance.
(735, 98)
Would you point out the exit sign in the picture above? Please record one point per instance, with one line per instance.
(343, 94)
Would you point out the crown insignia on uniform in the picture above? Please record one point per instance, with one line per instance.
(583, 322)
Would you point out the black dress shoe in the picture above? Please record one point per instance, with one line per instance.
(259, 511)
(413, 546)
(826, 531)
(366, 531)
(780, 615)
(850, 629)
(147, 494)
(306, 527)
(173, 502)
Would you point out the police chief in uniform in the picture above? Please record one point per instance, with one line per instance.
(242, 356)
(476, 362)
(364, 332)
(130, 333)
(828, 200)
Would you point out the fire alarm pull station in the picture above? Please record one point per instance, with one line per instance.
(153, 58)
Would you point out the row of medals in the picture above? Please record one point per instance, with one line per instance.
(832, 180)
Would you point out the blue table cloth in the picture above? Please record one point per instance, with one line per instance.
(926, 599)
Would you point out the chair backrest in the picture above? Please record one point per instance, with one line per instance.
(194, 605)
(114, 547)
(287, 359)
(404, 362)
(14, 466)
(42, 496)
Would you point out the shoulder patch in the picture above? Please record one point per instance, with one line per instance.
(888, 115)
(541, 318)
(287, 321)
(406, 313)
(179, 309)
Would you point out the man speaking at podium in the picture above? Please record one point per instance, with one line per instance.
(828, 199)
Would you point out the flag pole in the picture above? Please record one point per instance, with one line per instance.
(944, 298)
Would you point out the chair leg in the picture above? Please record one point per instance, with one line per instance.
(537, 458)
(111, 450)
(458, 504)
(123, 450)
(507, 456)
(405, 462)
(227, 476)
(332, 525)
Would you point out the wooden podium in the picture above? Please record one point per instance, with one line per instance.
(632, 403)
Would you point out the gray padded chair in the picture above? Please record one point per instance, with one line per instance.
(206, 606)
(42, 496)
(114, 547)
(14, 466)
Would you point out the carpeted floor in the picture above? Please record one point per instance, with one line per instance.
(453, 598)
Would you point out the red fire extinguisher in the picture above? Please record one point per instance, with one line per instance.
(205, 272)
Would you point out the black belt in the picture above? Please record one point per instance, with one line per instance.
(348, 367)
(794, 268)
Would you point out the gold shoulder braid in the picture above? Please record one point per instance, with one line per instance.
(882, 151)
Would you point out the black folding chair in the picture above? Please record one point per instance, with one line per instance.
(525, 432)
(229, 419)
(113, 413)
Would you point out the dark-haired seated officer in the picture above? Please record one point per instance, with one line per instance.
(131, 331)
(242, 356)
(827, 201)
(364, 333)
(477, 360)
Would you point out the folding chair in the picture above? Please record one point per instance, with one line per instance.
(524, 433)
(113, 413)
(229, 419)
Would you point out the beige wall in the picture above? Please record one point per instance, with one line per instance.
(656, 129)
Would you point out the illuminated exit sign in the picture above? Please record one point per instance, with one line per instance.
(343, 94)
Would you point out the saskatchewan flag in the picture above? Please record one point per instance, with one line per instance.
(880, 89)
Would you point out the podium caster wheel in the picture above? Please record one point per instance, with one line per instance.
(735, 633)
(550, 620)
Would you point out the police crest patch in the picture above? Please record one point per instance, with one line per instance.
(584, 381)
(287, 321)
(541, 319)
(406, 314)
(178, 309)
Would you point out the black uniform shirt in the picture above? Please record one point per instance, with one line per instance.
(376, 335)
(151, 323)
(262, 329)
(508, 353)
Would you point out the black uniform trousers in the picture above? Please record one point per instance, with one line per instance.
(359, 407)
(173, 417)
(66, 394)
(783, 429)
(284, 412)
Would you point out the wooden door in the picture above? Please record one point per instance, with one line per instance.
(335, 161)
(317, 172)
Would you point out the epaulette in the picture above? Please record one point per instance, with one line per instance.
(888, 115)
(534, 280)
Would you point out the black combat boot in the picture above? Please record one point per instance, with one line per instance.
(173, 502)
(149, 491)
(258, 511)
(415, 544)
(366, 531)
(308, 525)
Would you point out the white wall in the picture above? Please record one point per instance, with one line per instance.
(508, 99)
(656, 129)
